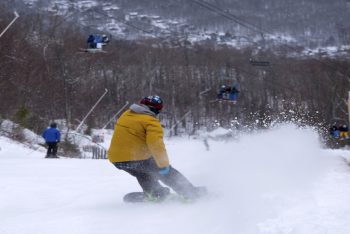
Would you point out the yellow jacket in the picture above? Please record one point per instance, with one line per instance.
(138, 135)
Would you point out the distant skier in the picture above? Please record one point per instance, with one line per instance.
(137, 147)
(52, 136)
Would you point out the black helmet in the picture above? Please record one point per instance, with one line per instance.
(53, 125)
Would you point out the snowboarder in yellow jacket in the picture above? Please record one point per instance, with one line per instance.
(137, 147)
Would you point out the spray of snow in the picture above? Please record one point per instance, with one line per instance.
(257, 176)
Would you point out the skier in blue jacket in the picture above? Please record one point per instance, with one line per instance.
(52, 136)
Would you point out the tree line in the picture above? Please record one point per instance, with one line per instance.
(45, 76)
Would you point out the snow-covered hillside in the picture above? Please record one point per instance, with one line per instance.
(315, 26)
(278, 181)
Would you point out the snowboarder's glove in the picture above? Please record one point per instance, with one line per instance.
(164, 171)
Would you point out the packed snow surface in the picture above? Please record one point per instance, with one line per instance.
(276, 181)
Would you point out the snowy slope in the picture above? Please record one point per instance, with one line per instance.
(279, 181)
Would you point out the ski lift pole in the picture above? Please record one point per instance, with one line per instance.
(349, 107)
(126, 104)
(8, 26)
(203, 92)
(182, 118)
(87, 115)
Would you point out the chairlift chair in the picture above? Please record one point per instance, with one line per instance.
(95, 43)
(228, 93)
(259, 63)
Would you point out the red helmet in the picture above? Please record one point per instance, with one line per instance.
(153, 102)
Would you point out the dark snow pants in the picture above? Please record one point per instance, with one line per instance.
(147, 174)
(51, 149)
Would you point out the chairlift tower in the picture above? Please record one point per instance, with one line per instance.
(87, 115)
(10, 24)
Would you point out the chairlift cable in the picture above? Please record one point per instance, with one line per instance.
(123, 21)
(243, 23)
(229, 16)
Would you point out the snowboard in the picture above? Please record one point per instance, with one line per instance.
(52, 157)
(141, 197)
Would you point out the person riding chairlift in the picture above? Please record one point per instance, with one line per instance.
(97, 41)
(228, 93)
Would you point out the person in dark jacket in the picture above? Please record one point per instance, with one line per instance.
(52, 137)
(334, 131)
(91, 42)
(137, 147)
